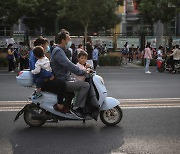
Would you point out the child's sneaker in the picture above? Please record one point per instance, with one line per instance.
(37, 95)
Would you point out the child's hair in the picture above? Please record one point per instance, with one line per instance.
(38, 51)
(83, 53)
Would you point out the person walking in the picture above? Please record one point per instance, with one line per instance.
(95, 56)
(125, 53)
(23, 54)
(148, 57)
(11, 58)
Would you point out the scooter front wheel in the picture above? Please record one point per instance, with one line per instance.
(28, 114)
(112, 116)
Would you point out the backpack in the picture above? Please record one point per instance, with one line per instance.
(125, 51)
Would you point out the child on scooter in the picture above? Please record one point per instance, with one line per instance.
(82, 64)
(42, 63)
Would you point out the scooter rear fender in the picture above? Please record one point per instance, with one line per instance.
(109, 103)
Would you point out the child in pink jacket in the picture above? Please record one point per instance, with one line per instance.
(82, 64)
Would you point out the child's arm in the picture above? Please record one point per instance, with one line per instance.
(87, 65)
(37, 68)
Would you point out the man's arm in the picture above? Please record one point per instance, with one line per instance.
(62, 59)
(174, 52)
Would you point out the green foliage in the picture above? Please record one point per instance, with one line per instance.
(158, 10)
(10, 12)
(92, 13)
(109, 60)
(70, 14)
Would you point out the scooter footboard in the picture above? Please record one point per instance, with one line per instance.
(109, 103)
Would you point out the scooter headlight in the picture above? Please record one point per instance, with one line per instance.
(101, 79)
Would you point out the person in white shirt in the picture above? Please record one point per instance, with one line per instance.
(176, 57)
(160, 53)
(82, 64)
(42, 63)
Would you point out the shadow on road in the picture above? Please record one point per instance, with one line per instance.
(74, 139)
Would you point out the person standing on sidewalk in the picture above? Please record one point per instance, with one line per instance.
(89, 50)
(11, 58)
(95, 56)
(148, 57)
(24, 54)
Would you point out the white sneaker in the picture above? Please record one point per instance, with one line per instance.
(148, 72)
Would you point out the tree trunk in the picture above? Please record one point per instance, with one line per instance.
(85, 34)
(166, 36)
(11, 32)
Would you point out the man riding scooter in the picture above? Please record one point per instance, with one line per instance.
(62, 67)
(176, 57)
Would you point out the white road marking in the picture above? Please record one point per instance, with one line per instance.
(125, 104)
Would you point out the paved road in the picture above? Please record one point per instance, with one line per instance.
(141, 131)
(150, 125)
(122, 83)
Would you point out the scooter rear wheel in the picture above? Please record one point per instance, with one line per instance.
(112, 116)
(28, 116)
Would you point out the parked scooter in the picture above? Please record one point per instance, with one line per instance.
(41, 111)
(163, 65)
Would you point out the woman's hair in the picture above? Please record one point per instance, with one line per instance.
(62, 35)
(40, 40)
(148, 45)
(80, 45)
(10, 45)
(177, 46)
(38, 51)
(83, 53)
(160, 47)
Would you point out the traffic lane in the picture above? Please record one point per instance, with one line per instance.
(10, 90)
(147, 130)
(126, 85)
(120, 83)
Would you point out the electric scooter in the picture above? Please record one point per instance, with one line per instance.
(162, 65)
(40, 110)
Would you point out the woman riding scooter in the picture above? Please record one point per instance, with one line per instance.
(176, 57)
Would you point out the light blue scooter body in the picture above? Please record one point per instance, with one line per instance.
(109, 103)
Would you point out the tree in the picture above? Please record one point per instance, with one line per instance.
(10, 12)
(153, 11)
(41, 13)
(92, 14)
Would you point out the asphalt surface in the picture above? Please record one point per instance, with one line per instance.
(141, 131)
(128, 82)
(150, 123)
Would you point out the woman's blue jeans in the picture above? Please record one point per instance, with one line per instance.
(147, 64)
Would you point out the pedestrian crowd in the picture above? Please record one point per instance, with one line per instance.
(18, 58)
(169, 57)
